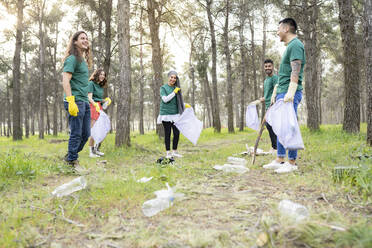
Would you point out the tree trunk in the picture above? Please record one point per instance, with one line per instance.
(312, 67)
(368, 56)
(17, 122)
(9, 110)
(42, 70)
(47, 119)
(123, 110)
(253, 51)
(243, 70)
(157, 58)
(229, 100)
(107, 61)
(215, 106)
(264, 26)
(142, 80)
(56, 87)
(351, 121)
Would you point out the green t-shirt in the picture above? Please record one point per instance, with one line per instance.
(97, 91)
(294, 51)
(171, 107)
(269, 84)
(79, 80)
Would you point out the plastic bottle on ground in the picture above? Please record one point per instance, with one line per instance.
(294, 210)
(154, 206)
(70, 187)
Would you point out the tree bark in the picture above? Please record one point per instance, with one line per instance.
(123, 110)
(42, 102)
(107, 61)
(351, 122)
(17, 122)
(157, 57)
(215, 106)
(312, 68)
(56, 86)
(253, 51)
(142, 80)
(264, 26)
(368, 56)
(229, 100)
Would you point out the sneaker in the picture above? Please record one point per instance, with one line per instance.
(287, 167)
(98, 152)
(273, 165)
(273, 151)
(177, 155)
(93, 155)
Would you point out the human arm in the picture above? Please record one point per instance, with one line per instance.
(296, 68)
(72, 107)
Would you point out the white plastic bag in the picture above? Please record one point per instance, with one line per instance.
(251, 117)
(282, 118)
(189, 125)
(100, 128)
(231, 168)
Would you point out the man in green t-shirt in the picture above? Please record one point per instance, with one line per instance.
(269, 84)
(289, 87)
(75, 86)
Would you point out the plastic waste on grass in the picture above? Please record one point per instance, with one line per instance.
(231, 168)
(144, 180)
(237, 161)
(164, 199)
(70, 187)
(293, 210)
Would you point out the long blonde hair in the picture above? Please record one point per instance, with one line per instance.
(72, 50)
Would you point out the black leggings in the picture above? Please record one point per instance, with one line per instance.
(168, 126)
(272, 135)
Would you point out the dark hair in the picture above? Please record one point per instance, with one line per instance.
(268, 61)
(72, 50)
(95, 77)
(292, 24)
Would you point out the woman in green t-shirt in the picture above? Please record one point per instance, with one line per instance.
(97, 83)
(171, 107)
(75, 82)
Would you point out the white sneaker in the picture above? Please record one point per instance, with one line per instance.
(287, 167)
(175, 154)
(273, 151)
(169, 155)
(92, 155)
(99, 153)
(273, 165)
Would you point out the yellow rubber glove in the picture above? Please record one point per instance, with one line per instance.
(273, 96)
(176, 90)
(72, 107)
(288, 97)
(96, 105)
(108, 100)
(187, 105)
(255, 102)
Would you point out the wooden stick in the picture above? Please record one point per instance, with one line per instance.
(259, 137)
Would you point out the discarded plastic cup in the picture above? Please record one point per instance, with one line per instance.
(105, 105)
(294, 210)
(70, 187)
(238, 161)
(154, 206)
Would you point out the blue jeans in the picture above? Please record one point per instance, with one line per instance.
(292, 154)
(80, 129)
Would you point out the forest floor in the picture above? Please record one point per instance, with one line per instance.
(218, 209)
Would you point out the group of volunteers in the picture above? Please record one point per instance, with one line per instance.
(84, 96)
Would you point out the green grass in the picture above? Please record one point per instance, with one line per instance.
(218, 210)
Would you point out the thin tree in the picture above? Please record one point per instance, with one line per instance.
(229, 102)
(351, 121)
(368, 56)
(17, 122)
(141, 85)
(123, 110)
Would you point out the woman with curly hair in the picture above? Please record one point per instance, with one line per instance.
(97, 83)
(75, 86)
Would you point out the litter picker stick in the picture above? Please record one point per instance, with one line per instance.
(259, 137)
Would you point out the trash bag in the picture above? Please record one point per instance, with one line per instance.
(251, 117)
(189, 125)
(282, 118)
(231, 168)
(101, 128)
(164, 161)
